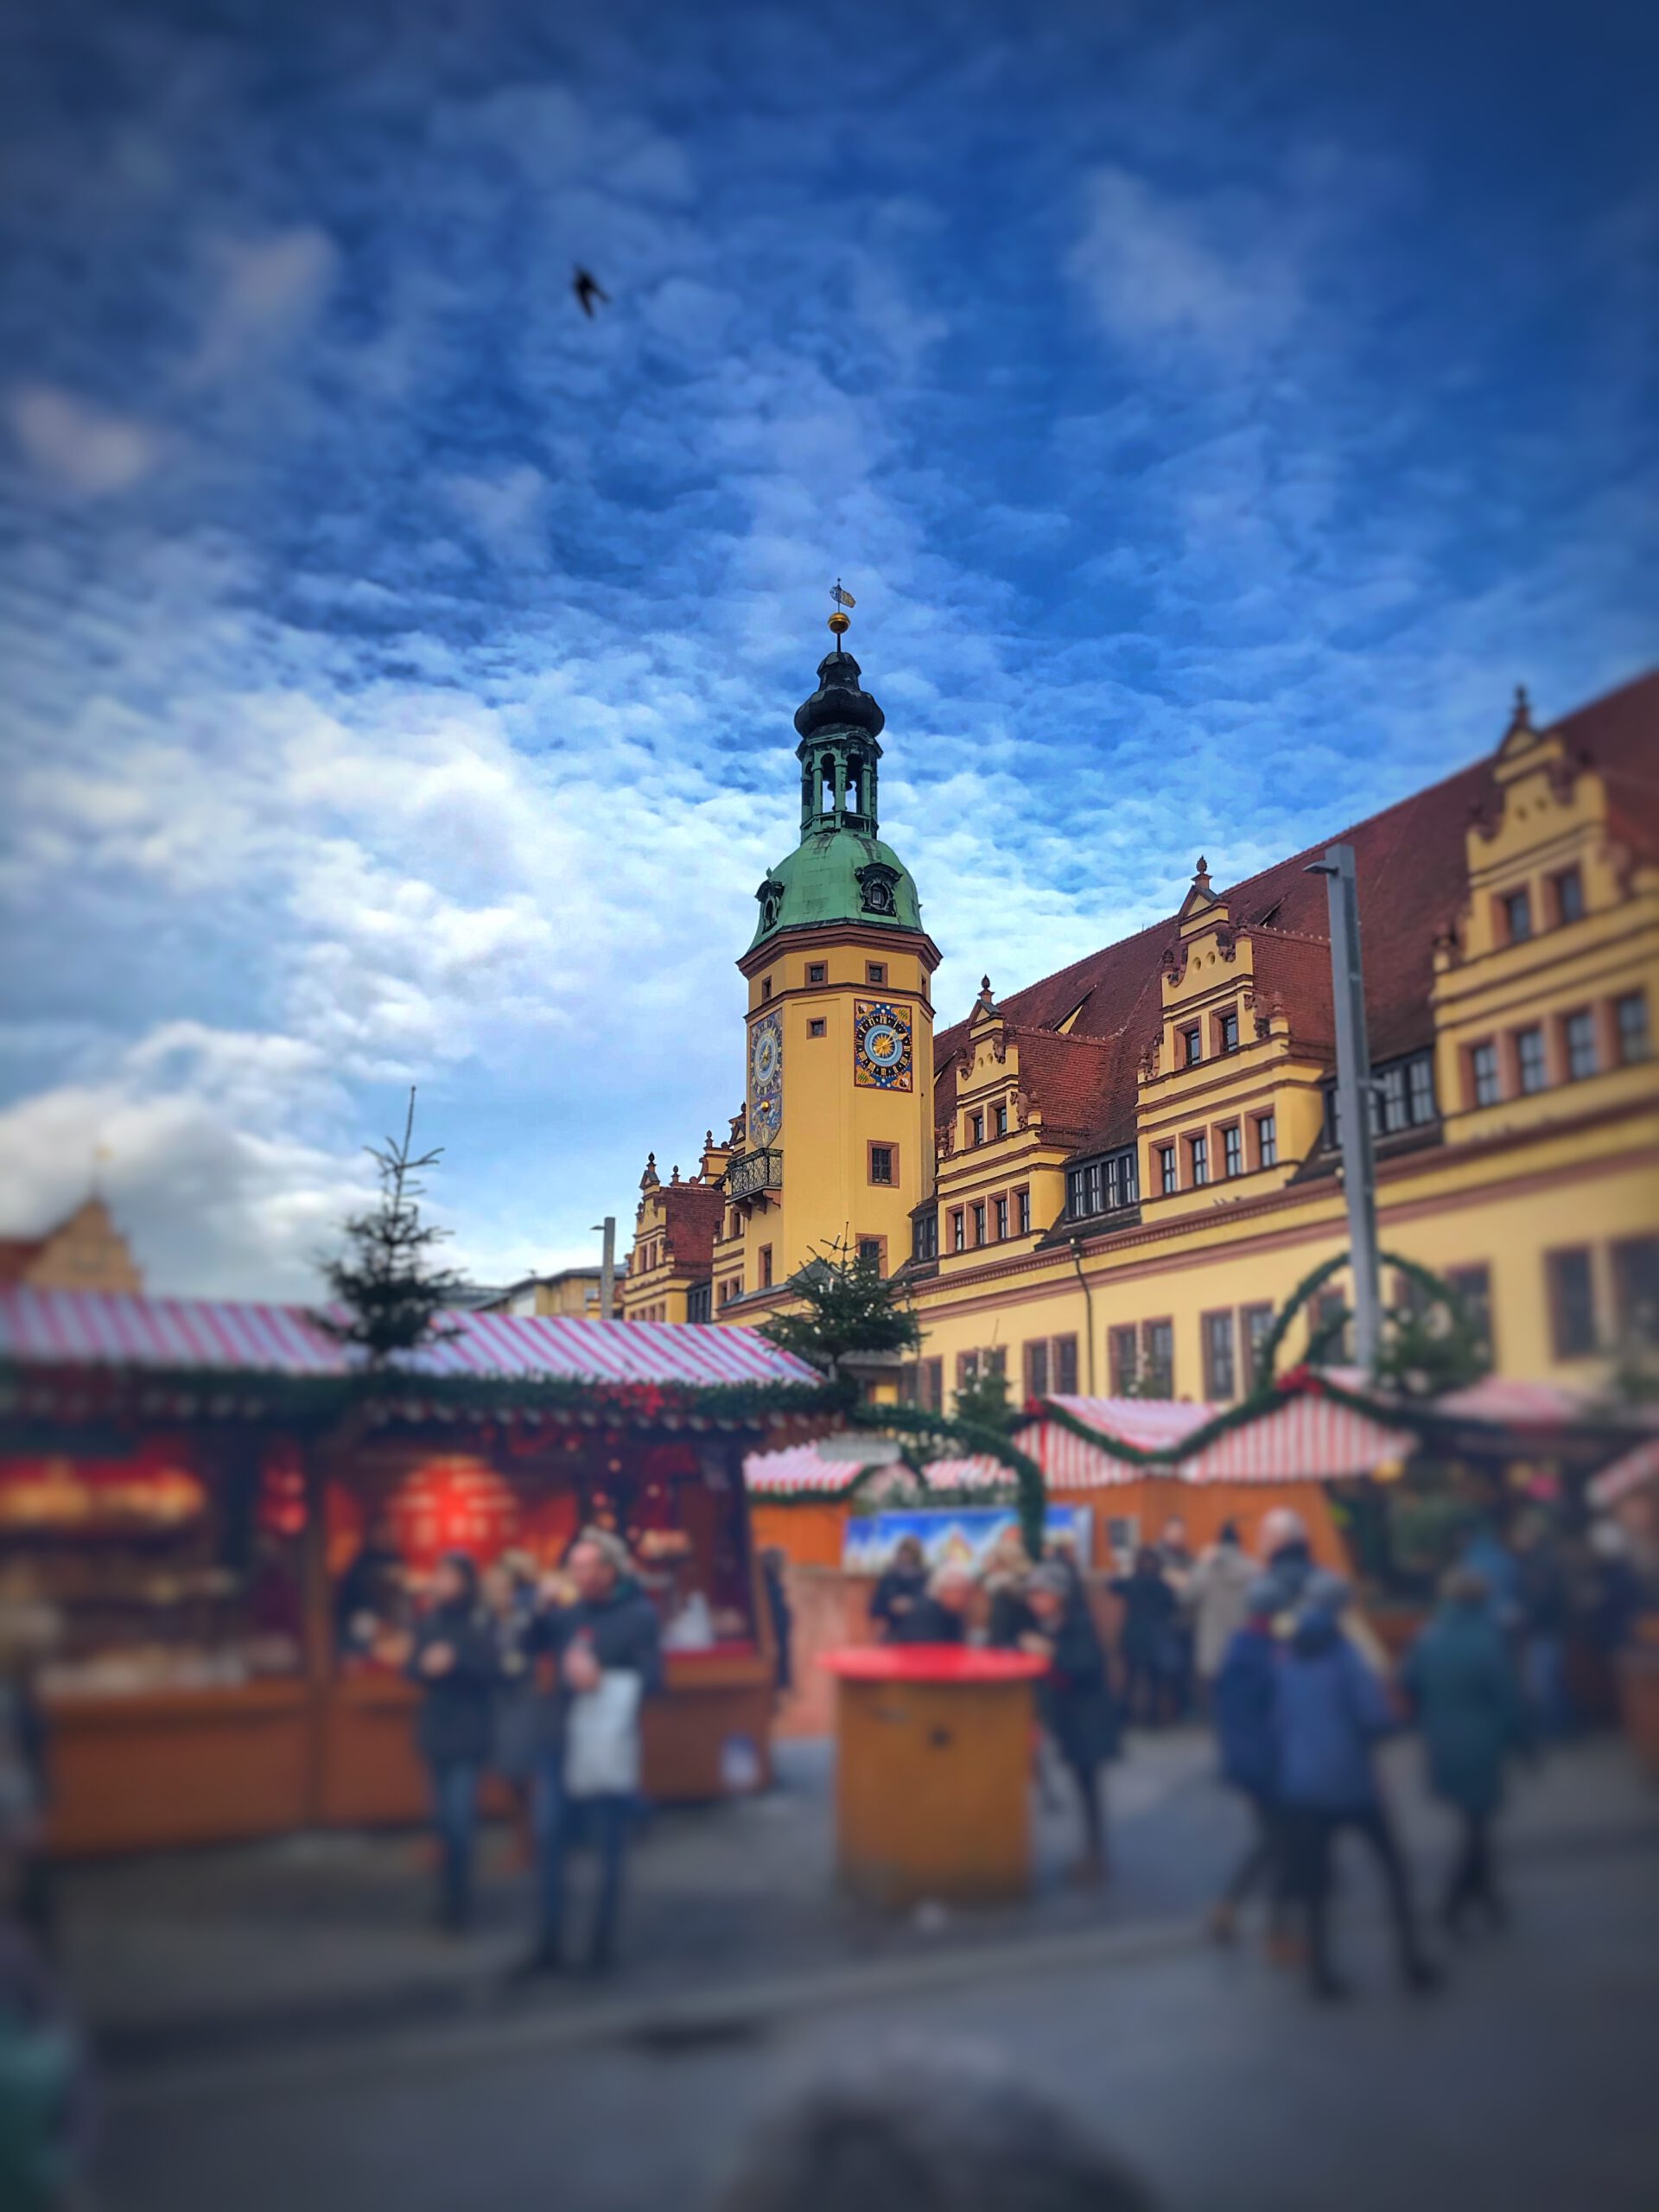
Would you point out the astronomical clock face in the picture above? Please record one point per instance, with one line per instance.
(766, 1080)
(881, 1053)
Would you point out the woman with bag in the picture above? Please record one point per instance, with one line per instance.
(607, 1659)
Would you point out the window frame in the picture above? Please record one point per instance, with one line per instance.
(1227, 1034)
(1000, 1218)
(1220, 1353)
(1123, 1377)
(1267, 1139)
(875, 974)
(1150, 1367)
(1193, 1045)
(958, 1229)
(1623, 1260)
(1232, 1151)
(1485, 1073)
(817, 971)
(860, 1244)
(1022, 1209)
(1169, 1170)
(817, 1026)
(1526, 1065)
(1560, 902)
(976, 1128)
(1255, 1327)
(1511, 903)
(1198, 1161)
(977, 1209)
(763, 1266)
(1567, 1340)
(1640, 1030)
(889, 1181)
(1579, 1029)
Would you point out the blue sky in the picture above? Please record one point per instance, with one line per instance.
(1215, 411)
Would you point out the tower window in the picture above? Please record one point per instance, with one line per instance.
(818, 1028)
(765, 1267)
(881, 1164)
(766, 988)
(876, 971)
(871, 1253)
(817, 971)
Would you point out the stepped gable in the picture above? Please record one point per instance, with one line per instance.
(1411, 860)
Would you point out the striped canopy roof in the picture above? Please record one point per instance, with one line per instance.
(1626, 1475)
(803, 1469)
(1303, 1439)
(59, 1330)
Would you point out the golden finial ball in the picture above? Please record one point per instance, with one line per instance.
(839, 622)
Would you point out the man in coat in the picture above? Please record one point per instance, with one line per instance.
(1074, 1697)
(1217, 1595)
(1244, 1707)
(607, 1643)
(1462, 1684)
(453, 1662)
(1331, 1712)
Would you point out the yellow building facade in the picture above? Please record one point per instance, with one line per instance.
(1111, 1179)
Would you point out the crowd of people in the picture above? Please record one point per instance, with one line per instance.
(1273, 1651)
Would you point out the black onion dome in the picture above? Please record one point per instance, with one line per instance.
(838, 703)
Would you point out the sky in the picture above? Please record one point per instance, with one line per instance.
(1215, 412)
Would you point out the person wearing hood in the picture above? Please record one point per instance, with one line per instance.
(1218, 1595)
(1150, 1609)
(1287, 1555)
(454, 1663)
(1244, 1705)
(1331, 1712)
(939, 1615)
(1462, 1684)
(1074, 1698)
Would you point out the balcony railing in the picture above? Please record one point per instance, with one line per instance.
(754, 1172)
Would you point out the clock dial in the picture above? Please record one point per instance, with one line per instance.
(881, 1045)
(766, 1080)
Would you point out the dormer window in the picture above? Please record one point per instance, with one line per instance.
(1192, 1046)
(999, 1120)
(1227, 1029)
(1517, 915)
(976, 1128)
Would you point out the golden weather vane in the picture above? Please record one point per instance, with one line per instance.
(838, 621)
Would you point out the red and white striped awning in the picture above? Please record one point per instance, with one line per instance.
(1303, 1439)
(1501, 1402)
(1626, 1475)
(1069, 1462)
(802, 1469)
(56, 1330)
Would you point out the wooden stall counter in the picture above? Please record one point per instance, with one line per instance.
(933, 1772)
(145, 1769)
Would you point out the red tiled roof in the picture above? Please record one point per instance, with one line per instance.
(1411, 866)
(16, 1254)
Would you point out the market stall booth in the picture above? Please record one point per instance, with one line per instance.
(230, 1527)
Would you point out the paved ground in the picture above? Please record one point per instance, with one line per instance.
(327, 1935)
(1527, 2085)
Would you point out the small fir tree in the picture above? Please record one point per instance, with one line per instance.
(848, 1307)
(391, 1293)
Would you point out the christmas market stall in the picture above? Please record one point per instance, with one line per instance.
(228, 1521)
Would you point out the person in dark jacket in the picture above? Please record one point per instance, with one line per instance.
(1075, 1700)
(1330, 1713)
(774, 1568)
(1007, 1574)
(611, 1630)
(1544, 1599)
(1150, 1610)
(901, 1587)
(940, 1614)
(1243, 1705)
(1462, 1684)
(453, 1662)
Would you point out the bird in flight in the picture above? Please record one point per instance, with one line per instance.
(587, 289)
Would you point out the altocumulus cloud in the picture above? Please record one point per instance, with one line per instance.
(404, 664)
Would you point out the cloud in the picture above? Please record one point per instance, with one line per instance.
(1212, 271)
(80, 448)
(267, 293)
(507, 512)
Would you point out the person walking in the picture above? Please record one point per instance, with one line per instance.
(1074, 1700)
(902, 1586)
(1287, 1554)
(1542, 1593)
(1175, 1557)
(1218, 1595)
(1331, 1711)
(455, 1666)
(774, 1571)
(1007, 1574)
(607, 1651)
(1461, 1682)
(1149, 1610)
(1244, 1707)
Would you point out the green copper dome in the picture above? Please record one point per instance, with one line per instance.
(841, 871)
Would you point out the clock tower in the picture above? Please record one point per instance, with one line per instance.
(837, 1143)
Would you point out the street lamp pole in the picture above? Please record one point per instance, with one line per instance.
(1354, 1097)
(608, 1268)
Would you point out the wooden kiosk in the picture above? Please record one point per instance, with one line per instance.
(230, 1531)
